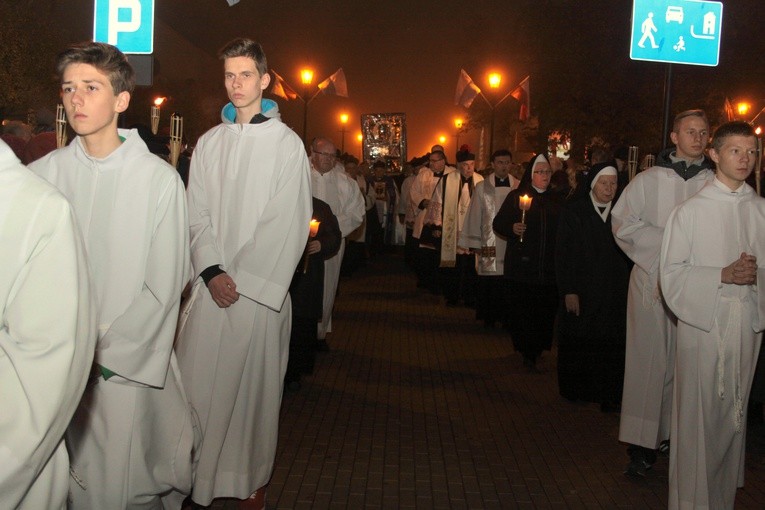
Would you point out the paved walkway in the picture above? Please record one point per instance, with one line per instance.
(418, 406)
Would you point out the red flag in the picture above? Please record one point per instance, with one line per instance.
(335, 85)
(466, 91)
(729, 113)
(280, 88)
(523, 95)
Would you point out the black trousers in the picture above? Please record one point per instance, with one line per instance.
(459, 282)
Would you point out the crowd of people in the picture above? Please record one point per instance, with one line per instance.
(648, 287)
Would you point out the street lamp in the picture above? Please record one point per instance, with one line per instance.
(458, 123)
(743, 108)
(343, 122)
(306, 76)
(494, 80)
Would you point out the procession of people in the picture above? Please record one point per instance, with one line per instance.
(167, 319)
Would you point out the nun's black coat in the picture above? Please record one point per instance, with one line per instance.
(588, 263)
(529, 268)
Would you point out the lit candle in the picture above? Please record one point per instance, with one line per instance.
(313, 229)
(524, 204)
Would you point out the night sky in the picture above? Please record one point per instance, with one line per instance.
(405, 56)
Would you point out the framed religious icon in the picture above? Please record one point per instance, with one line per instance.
(384, 139)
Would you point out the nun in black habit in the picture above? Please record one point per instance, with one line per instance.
(529, 260)
(593, 277)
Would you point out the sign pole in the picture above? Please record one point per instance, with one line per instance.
(667, 105)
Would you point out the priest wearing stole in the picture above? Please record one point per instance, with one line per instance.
(451, 200)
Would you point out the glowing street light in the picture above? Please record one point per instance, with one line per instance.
(442, 139)
(306, 76)
(458, 123)
(343, 122)
(494, 80)
(743, 108)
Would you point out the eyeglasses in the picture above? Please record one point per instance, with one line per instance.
(327, 154)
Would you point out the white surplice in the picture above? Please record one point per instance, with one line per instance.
(249, 212)
(344, 197)
(47, 336)
(477, 232)
(132, 436)
(638, 220)
(718, 339)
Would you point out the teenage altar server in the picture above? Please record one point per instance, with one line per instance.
(638, 219)
(249, 213)
(132, 437)
(47, 336)
(712, 269)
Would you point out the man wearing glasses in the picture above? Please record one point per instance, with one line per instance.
(332, 185)
(419, 196)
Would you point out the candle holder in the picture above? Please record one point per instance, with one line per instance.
(60, 126)
(313, 229)
(524, 204)
(176, 138)
(154, 119)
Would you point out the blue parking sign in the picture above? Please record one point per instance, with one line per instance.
(676, 31)
(126, 24)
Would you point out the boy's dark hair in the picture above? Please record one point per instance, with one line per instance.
(104, 57)
(735, 128)
(688, 113)
(243, 47)
(501, 152)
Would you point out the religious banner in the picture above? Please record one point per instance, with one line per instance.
(384, 138)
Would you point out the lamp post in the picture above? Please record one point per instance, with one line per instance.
(494, 80)
(306, 77)
(458, 123)
(343, 123)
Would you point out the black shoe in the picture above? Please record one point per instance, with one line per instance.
(640, 461)
(322, 345)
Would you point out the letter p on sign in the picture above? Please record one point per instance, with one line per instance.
(126, 24)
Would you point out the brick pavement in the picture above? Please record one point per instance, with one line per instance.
(418, 406)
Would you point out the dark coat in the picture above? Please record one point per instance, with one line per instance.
(533, 260)
(307, 289)
(590, 264)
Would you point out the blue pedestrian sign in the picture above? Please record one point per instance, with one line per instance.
(126, 24)
(676, 31)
